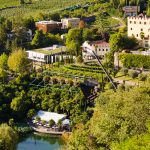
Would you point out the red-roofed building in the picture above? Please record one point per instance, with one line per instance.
(99, 47)
(131, 10)
(48, 26)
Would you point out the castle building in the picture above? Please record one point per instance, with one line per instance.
(139, 27)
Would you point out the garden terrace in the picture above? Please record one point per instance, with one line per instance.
(81, 72)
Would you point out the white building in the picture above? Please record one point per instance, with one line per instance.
(140, 25)
(47, 55)
(99, 47)
(47, 116)
(70, 22)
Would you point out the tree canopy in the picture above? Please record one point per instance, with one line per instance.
(8, 138)
(18, 61)
(118, 121)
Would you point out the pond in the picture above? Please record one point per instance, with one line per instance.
(39, 142)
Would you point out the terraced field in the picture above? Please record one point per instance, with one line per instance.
(38, 6)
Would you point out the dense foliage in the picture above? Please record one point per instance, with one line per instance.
(8, 138)
(117, 118)
(134, 60)
(120, 41)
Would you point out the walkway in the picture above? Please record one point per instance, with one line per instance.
(127, 82)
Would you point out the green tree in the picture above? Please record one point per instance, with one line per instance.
(44, 39)
(87, 34)
(38, 38)
(134, 143)
(74, 41)
(3, 66)
(11, 122)
(31, 113)
(3, 61)
(116, 42)
(21, 2)
(8, 138)
(3, 36)
(102, 23)
(51, 123)
(18, 61)
(29, 23)
(120, 116)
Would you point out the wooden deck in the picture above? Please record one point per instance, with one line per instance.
(47, 131)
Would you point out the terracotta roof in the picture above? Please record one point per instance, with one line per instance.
(129, 9)
(102, 43)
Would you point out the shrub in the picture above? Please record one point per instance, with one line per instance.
(11, 122)
(133, 74)
(70, 82)
(43, 122)
(39, 75)
(124, 71)
(142, 77)
(148, 77)
(79, 59)
(135, 60)
(51, 123)
(54, 80)
(121, 87)
(109, 86)
(62, 81)
(46, 79)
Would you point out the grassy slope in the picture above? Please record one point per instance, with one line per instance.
(7, 3)
(44, 6)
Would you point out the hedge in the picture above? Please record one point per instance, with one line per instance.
(135, 60)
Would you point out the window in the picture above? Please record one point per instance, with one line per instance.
(141, 29)
(134, 22)
(146, 44)
(131, 28)
(106, 50)
(140, 22)
(137, 35)
(103, 49)
(144, 22)
(130, 21)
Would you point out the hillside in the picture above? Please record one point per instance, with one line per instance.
(44, 6)
(8, 3)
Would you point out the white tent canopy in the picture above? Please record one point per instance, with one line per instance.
(47, 116)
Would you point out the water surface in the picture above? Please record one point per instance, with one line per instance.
(39, 142)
